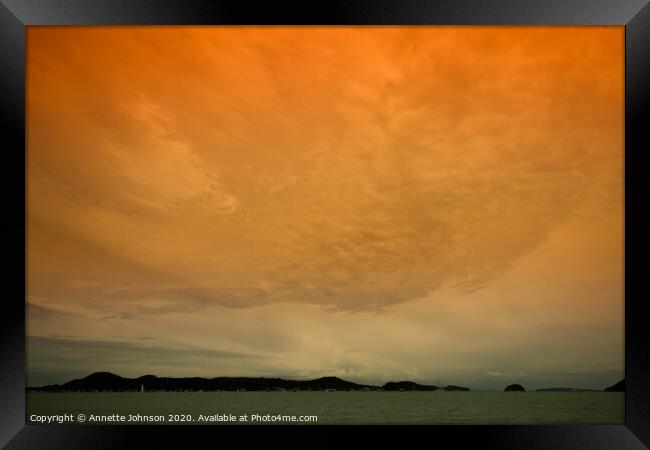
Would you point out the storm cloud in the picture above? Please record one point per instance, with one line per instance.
(176, 174)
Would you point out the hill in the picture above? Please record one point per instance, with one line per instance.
(106, 381)
(407, 386)
(109, 382)
(452, 387)
(565, 389)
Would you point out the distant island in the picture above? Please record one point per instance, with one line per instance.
(514, 388)
(411, 386)
(565, 389)
(618, 387)
(109, 382)
(407, 386)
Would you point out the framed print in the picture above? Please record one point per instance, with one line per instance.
(382, 218)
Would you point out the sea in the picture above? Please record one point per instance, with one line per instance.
(324, 408)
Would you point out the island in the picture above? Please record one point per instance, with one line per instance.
(407, 386)
(109, 382)
(565, 389)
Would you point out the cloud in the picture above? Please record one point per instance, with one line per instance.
(137, 350)
(391, 190)
(241, 187)
(50, 357)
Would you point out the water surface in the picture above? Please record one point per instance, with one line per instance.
(339, 407)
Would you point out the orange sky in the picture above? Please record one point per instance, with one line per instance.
(368, 202)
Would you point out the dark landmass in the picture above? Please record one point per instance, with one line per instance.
(411, 386)
(407, 386)
(618, 387)
(109, 382)
(565, 389)
(105, 381)
(451, 387)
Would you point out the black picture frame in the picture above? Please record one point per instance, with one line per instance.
(15, 15)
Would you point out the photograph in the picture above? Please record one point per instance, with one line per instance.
(325, 225)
